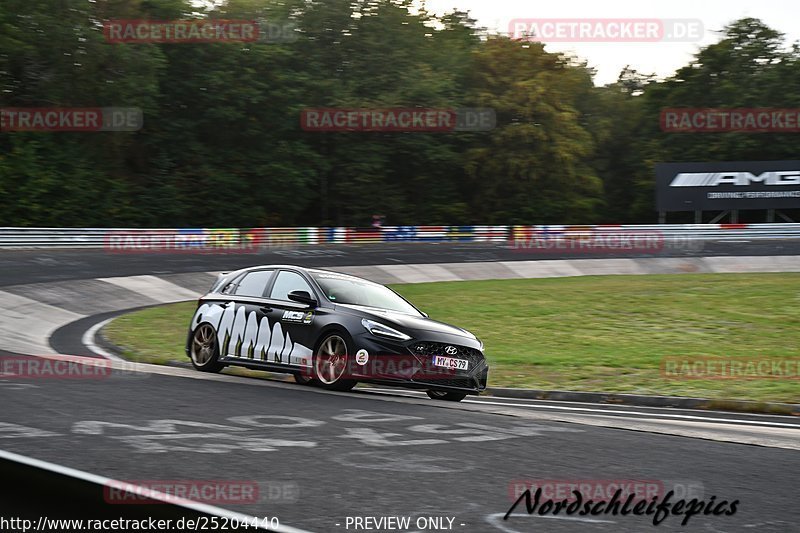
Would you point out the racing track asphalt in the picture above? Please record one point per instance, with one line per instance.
(320, 457)
(36, 266)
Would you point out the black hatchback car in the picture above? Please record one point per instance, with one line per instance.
(331, 330)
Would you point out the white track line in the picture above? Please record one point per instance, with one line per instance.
(675, 409)
(490, 399)
(155, 495)
(635, 413)
(88, 341)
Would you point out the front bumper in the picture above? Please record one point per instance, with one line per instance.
(410, 364)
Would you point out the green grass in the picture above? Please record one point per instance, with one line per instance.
(606, 333)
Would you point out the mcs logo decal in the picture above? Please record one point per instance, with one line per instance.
(299, 317)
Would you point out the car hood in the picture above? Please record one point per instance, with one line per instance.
(407, 322)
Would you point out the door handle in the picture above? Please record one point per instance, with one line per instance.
(265, 309)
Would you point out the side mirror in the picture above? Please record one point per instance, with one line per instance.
(424, 314)
(302, 297)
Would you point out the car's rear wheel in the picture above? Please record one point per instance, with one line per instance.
(331, 363)
(446, 396)
(204, 351)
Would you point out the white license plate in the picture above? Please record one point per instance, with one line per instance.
(449, 362)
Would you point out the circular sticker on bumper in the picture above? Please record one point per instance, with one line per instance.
(362, 356)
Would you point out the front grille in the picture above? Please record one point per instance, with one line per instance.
(462, 383)
(475, 357)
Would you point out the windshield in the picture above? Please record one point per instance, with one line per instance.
(356, 291)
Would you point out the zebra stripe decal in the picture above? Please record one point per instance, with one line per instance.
(241, 335)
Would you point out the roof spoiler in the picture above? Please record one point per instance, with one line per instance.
(220, 277)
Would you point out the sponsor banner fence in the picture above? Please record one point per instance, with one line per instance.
(187, 240)
(611, 240)
(259, 239)
(534, 239)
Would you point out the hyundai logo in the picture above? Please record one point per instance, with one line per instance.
(451, 350)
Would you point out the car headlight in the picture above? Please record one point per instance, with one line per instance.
(379, 330)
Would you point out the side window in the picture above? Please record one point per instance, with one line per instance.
(253, 284)
(287, 282)
(228, 288)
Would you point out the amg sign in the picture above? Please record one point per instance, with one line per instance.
(714, 179)
(728, 185)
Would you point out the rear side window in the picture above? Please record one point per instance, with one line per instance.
(287, 282)
(230, 285)
(253, 284)
(228, 288)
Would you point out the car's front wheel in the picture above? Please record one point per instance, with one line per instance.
(331, 363)
(304, 379)
(446, 396)
(204, 352)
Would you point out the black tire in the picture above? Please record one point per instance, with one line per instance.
(446, 396)
(304, 379)
(204, 350)
(331, 362)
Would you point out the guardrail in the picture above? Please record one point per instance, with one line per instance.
(189, 239)
(665, 231)
(122, 239)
